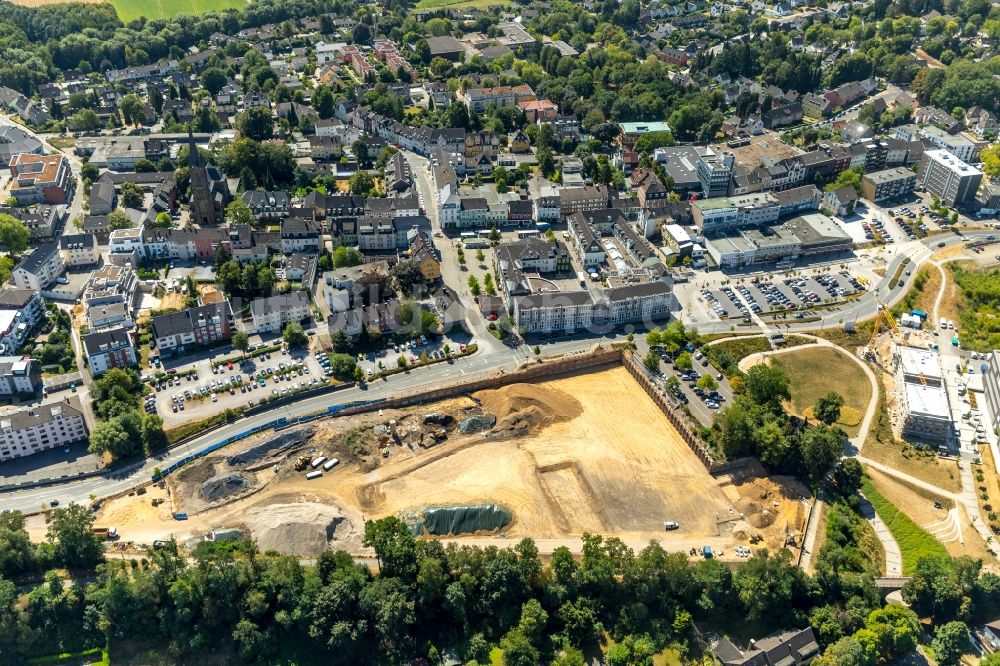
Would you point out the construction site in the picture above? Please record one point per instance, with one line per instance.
(582, 453)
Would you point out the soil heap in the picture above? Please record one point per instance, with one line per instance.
(522, 408)
(224, 485)
(298, 528)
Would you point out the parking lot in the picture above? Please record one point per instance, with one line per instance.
(793, 293)
(201, 389)
(412, 351)
(701, 402)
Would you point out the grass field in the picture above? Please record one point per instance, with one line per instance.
(460, 4)
(129, 10)
(815, 371)
(914, 542)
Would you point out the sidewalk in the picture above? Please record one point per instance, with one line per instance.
(893, 556)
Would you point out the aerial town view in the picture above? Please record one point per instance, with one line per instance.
(500, 332)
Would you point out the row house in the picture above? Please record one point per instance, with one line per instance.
(198, 326)
(267, 206)
(189, 243)
(300, 235)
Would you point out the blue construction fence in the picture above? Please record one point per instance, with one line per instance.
(277, 424)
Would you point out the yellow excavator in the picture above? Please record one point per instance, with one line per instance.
(883, 315)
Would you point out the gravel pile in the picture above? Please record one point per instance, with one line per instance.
(271, 447)
(437, 418)
(304, 528)
(224, 485)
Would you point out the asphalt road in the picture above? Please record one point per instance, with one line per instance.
(485, 362)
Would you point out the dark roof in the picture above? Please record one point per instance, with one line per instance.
(183, 322)
(77, 241)
(446, 44)
(38, 257)
(103, 341)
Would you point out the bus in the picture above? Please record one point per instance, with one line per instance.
(528, 233)
(485, 233)
(476, 243)
(468, 234)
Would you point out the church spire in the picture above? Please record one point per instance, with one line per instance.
(194, 158)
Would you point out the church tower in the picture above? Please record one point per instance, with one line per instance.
(203, 209)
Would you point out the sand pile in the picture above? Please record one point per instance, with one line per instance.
(224, 485)
(521, 408)
(299, 528)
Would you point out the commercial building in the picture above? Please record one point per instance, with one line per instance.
(20, 375)
(111, 348)
(570, 312)
(925, 410)
(28, 431)
(991, 387)
(715, 172)
(888, 184)
(272, 313)
(918, 365)
(40, 179)
(803, 236)
(945, 176)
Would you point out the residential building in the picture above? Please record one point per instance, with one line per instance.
(39, 268)
(21, 311)
(477, 99)
(110, 348)
(945, 176)
(888, 184)
(40, 179)
(103, 199)
(79, 250)
(201, 325)
(267, 206)
(797, 647)
(841, 201)
(20, 376)
(29, 431)
(272, 313)
(300, 235)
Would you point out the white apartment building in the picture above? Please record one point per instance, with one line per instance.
(39, 268)
(28, 431)
(272, 313)
(79, 250)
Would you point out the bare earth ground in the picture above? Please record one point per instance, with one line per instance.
(585, 453)
(918, 504)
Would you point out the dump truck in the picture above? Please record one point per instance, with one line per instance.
(108, 533)
(179, 515)
(706, 552)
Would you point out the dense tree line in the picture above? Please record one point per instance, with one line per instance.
(123, 428)
(427, 600)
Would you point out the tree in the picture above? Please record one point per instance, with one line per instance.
(473, 285)
(480, 257)
(16, 551)
(14, 235)
(488, 285)
(537, 350)
(241, 342)
(407, 276)
(362, 183)
(845, 652)
(163, 220)
(71, 531)
(131, 195)
(256, 123)
(238, 212)
(707, 383)
(847, 477)
(654, 338)
(990, 157)
(684, 361)
(131, 108)
(360, 150)
(950, 642)
(827, 407)
(213, 79)
(651, 361)
(342, 366)
(821, 447)
(323, 101)
(345, 257)
(294, 336)
(119, 219)
(395, 548)
(340, 340)
(767, 385)
(518, 650)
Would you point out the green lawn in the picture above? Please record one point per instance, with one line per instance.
(914, 542)
(815, 371)
(129, 10)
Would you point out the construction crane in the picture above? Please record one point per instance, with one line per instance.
(890, 322)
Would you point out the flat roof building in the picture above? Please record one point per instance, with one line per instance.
(947, 177)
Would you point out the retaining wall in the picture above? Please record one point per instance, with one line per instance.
(673, 413)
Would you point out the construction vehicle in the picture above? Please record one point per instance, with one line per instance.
(883, 315)
(107, 533)
(302, 462)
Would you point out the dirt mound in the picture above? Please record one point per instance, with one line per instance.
(271, 447)
(521, 408)
(198, 472)
(224, 485)
(300, 528)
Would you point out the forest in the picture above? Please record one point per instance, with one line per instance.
(433, 600)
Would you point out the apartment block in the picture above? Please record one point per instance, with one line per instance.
(888, 184)
(29, 431)
(272, 313)
(40, 179)
(111, 348)
(949, 178)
